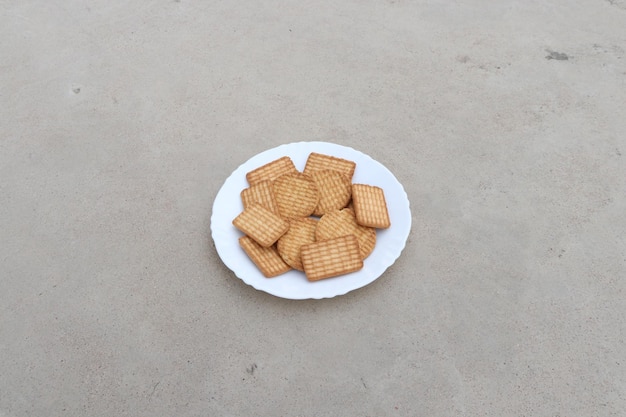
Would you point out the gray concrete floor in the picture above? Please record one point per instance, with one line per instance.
(504, 121)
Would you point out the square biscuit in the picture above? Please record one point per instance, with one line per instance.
(267, 259)
(319, 162)
(330, 258)
(262, 193)
(261, 224)
(370, 206)
(271, 170)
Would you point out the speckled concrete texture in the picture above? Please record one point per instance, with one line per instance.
(505, 122)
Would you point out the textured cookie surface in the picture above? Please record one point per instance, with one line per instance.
(343, 222)
(331, 258)
(271, 170)
(296, 195)
(370, 206)
(262, 193)
(261, 224)
(320, 162)
(301, 232)
(267, 259)
(334, 189)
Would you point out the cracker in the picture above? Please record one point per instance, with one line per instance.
(331, 258)
(320, 162)
(343, 222)
(301, 232)
(267, 260)
(262, 193)
(261, 224)
(271, 170)
(296, 195)
(370, 206)
(334, 189)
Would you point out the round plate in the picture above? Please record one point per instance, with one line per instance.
(293, 284)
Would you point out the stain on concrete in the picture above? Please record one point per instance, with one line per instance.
(617, 3)
(154, 387)
(614, 51)
(251, 369)
(559, 56)
(611, 49)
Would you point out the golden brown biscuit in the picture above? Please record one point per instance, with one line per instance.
(262, 193)
(271, 170)
(370, 206)
(301, 232)
(296, 195)
(261, 224)
(331, 258)
(267, 259)
(343, 222)
(320, 162)
(334, 189)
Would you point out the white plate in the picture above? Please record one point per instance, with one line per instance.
(293, 284)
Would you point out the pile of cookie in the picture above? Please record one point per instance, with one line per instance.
(316, 221)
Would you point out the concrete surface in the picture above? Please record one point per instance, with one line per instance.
(504, 121)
